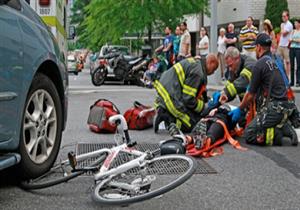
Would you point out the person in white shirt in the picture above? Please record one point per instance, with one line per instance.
(283, 49)
(203, 43)
(221, 50)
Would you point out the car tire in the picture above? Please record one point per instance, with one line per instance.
(41, 126)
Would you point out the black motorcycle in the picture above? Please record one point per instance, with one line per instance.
(116, 66)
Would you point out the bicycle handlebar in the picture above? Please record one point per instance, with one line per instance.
(120, 121)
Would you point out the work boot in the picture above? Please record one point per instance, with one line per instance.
(289, 131)
(200, 128)
(295, 119)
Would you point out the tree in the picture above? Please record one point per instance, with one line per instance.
(109, 20)
(78, 16)
(274, 9)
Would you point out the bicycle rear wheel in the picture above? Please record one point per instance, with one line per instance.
(59, 173)
(159, 176)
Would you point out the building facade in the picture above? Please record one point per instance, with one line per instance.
(237, 11)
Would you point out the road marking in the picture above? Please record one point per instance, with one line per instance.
(106, 90)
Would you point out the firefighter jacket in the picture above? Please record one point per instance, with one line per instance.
(180, 89)
(239, 83)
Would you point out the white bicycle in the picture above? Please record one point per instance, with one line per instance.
(139, 178)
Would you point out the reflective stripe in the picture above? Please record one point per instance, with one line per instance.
(191, 60)
(231, 89)
(180, 73)
(248, 74)
(270, 136)
(181, 76)
(169, 104)
(178, 123)
(199, 106)
(189, 90)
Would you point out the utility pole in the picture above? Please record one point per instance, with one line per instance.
(213, 26)
(216, 78)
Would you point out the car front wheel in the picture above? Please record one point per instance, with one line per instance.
(41, 129)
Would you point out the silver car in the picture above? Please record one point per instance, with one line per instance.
(33, 90)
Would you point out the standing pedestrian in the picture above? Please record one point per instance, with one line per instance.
(295, 53)
(231, 40)
(283, 49)
(221, 51)
(231, 36)
(185, 43)
(176, 42)
(248, 35)
(167, 46)
(203, 43)
(268, 29)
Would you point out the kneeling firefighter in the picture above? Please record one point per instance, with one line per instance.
(269, 86)
(182, 92)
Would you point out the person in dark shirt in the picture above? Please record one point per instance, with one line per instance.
(267, 87)
(167, 46)
(231, 37)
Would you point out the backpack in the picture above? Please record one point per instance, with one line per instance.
(139, 117)
(100, 112)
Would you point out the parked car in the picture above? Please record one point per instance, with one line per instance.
(72, 64)
(33, 91)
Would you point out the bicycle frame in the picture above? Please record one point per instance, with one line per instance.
(112, 153)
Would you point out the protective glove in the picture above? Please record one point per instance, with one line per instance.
(215, 99)
(235, 114)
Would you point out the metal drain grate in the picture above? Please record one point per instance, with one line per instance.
(161, 168)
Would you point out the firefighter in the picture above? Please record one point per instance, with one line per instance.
(268, 87)
(182, 92)
(240, 68)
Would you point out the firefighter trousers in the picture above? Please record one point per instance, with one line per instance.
(271, 125)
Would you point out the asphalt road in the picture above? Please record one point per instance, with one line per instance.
(260, 178)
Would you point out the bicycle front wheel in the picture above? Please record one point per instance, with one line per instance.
(159, 176)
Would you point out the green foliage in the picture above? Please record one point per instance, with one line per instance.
(78, 16)
(109, 20)
(274, 9)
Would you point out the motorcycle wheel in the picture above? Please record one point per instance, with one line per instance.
(139, 75)
(98, 76)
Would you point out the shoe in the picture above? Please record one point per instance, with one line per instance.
(201, 141)
(289, 132)
(292, 84)
(200, 128)
(297, 85)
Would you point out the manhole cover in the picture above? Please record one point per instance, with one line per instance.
(202, 166)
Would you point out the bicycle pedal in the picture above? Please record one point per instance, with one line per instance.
(132, 144)
(72, 159)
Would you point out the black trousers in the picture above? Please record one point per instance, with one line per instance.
(295, 53)
(264, 130)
